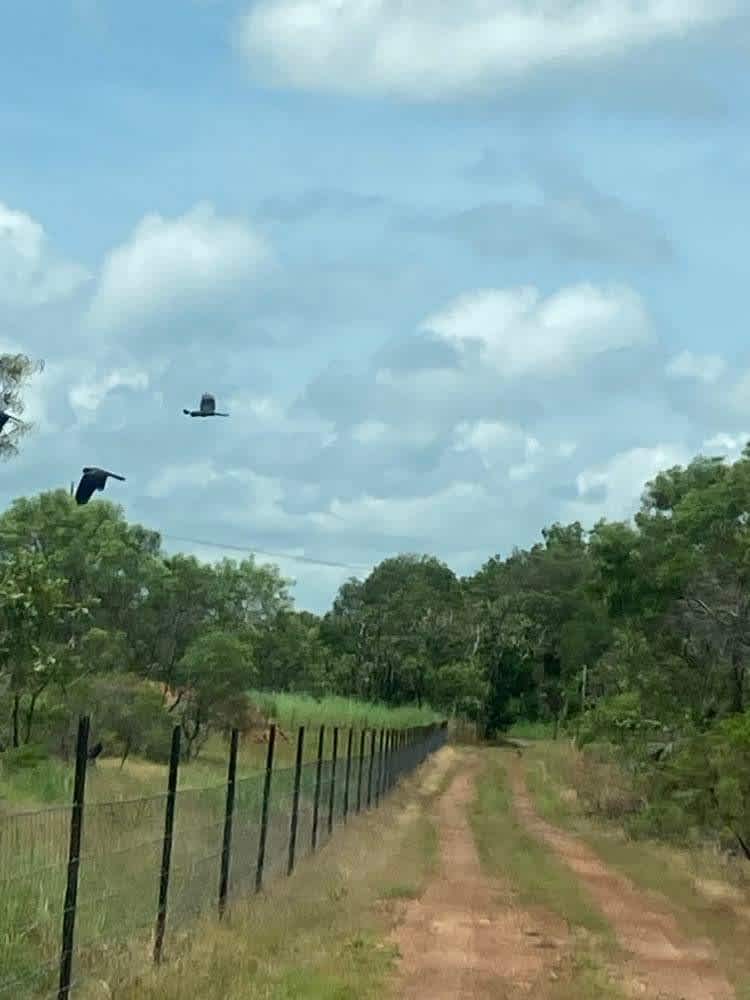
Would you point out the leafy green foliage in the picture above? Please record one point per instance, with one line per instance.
(15, 372)
(213, 677)
(635, 637)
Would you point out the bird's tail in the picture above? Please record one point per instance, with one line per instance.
(221, 414)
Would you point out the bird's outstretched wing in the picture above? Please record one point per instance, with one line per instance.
(114, 475)
(85, 489)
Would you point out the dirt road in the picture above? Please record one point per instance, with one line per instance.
(467, 937)
(459, 941)
(664, 963)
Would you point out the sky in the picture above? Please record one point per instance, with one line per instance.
(456, 270)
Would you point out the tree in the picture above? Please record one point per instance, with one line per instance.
(102, 558)
(214, 676)
(15, 372)
(408, 611)
(40, 630)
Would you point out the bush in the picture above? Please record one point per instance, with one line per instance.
(603, 786)
(32, 755)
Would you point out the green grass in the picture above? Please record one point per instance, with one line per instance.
(506, 849)
(51, 782)
(538, 879)
(320, 935)
(122, 840)
(661, 868)
(531, 730)
(301, 709)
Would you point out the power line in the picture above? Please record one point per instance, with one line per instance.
(264, 552)
(247, 550)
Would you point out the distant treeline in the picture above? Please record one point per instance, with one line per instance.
(634, 637)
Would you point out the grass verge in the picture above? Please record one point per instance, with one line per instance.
(319, 935)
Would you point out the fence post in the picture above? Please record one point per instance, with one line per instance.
(264, 811)
(166, 852)
(226, 846)
(348, 772)
(360, 768)
(379, 776)
(371, 768)
(332, 791)
(386, 762)
(295, 798)
(316, 796)
(74, 858)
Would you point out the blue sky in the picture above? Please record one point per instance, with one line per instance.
(457, 271)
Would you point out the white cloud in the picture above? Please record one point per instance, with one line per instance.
(370, 431)
(488, 437)
(89, 394)
(181, 477)
(238, 496)
(431, 50)
(621, 480)
(705, 367)
(497, 443)
(253, 412)
(415, 433)
(30, 274)
(423, 517)
(729, 445)
(170, 265)
(521, 333)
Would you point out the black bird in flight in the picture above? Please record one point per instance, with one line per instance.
(93, 479)
(5, 417)
(207, 408)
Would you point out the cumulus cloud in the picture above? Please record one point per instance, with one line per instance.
(429, 50)
(704, 367)
(173, 266)
(498, 444)
(521, 333)
(729, 446)
(613, 488)
(418, 518)
(30, 273)
(87, 395)
(545, 206)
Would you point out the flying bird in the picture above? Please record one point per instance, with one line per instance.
(93, 479)
(5, 417)
(207, 408)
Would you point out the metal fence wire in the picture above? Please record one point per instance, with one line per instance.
(93, 881)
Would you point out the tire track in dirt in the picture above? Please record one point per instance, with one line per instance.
(458, 940)
(664, 963)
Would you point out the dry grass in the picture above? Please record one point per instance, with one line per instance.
(709, 894)
(318, 934)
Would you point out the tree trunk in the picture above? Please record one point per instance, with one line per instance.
(30, 716)
(15, 720)
(743, 844)
(738, 682)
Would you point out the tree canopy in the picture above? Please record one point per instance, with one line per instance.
(633, 634)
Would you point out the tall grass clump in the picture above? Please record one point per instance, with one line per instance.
(291, 710)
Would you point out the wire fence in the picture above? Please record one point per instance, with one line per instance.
(91, 884)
